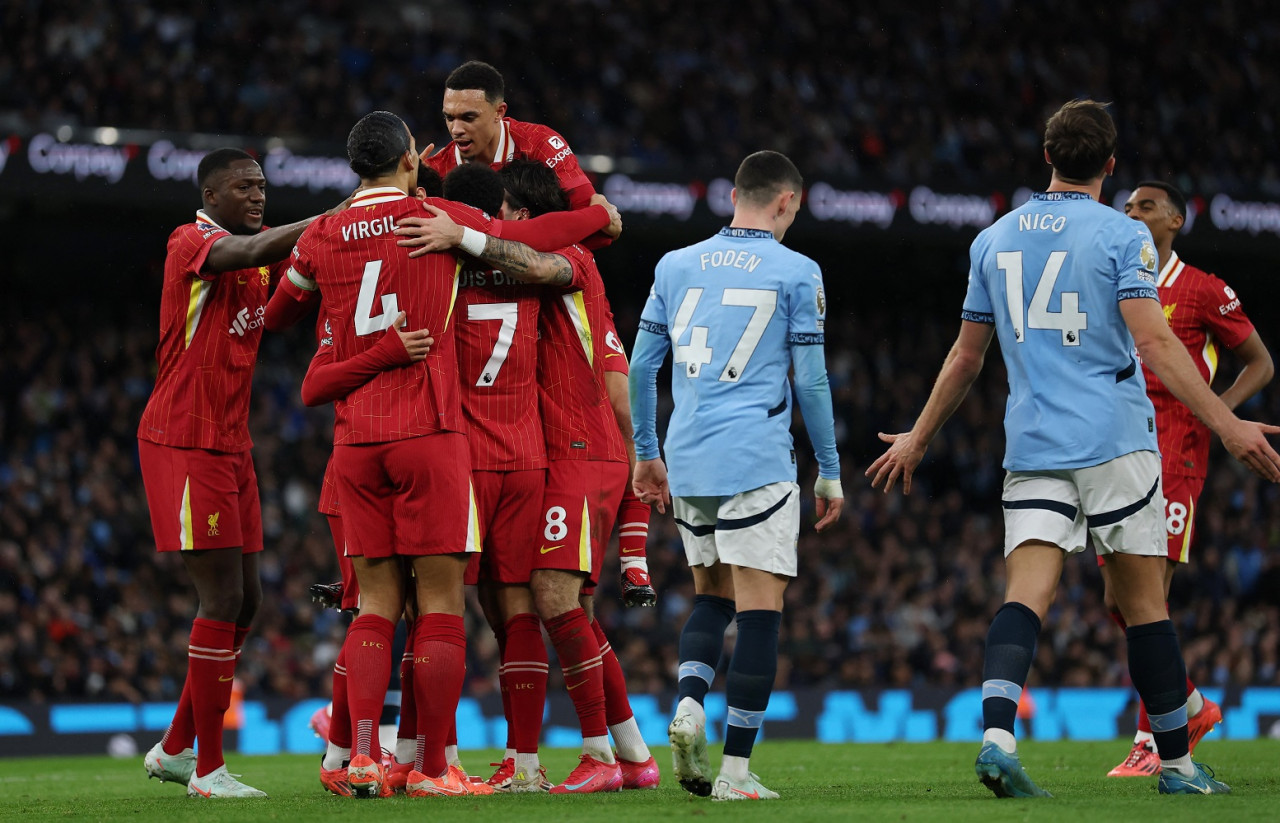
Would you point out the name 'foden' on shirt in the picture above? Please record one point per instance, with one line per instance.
(735, 258)
(363, 229)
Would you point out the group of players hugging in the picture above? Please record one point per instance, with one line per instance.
(482, 402)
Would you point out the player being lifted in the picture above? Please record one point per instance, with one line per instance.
(740, 310)
(1203, 312)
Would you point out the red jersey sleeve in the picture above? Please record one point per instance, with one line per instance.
(288, 305)
(189, 248)
(327, 380)
(1223, 314)
(554, 230)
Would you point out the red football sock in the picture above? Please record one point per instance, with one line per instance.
(340, 717)
(440, 665)
(368, 660)
(633, 526)
(181, 733)
(579, 654)
(408, 701)
(524, 688)
(617, 708)
(211, 666)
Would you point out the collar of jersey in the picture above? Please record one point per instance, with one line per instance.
(203, 217)
(730, 231)
(1061, 195)
(377, 194)
(504, 153)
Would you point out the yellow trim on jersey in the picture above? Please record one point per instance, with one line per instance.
(475, 540)
(577, 306)
(453, 298)
(184, 518)
(1210, 356)
(195, 308)
(584, 539)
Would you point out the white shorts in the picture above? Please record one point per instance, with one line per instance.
(1119, 503)
(756, 529)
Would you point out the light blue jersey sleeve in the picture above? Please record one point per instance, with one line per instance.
(806, 334)
(1136, 274)
(650, 349)
(977, 300)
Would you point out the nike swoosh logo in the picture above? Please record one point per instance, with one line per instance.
(546, 549)
(226, 679)
(751, 796)
(569, 688)
(615, 354)
(633, 551)
(201, 791)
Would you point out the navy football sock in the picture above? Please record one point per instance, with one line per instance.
(1011, 646)
(702, 644)
(751, 674)
(1159, 674)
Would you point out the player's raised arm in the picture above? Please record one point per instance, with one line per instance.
(961, 368)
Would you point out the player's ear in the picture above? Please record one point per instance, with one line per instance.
(501, 109)
(784, 201)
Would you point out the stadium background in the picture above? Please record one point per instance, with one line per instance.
(912, 134)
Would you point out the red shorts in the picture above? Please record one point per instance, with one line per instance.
(350, 586)
(578, 511)
(328, 503)
(201, 499)
(407, 497)
(509, 505)
(1180, 495)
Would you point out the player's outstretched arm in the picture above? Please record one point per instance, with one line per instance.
(245, 251)
(813, 394)
(546, 232)
(959, 370)
(1168, 358)
(1256, 371)
(293, 299)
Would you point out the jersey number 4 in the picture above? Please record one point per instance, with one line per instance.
(366, 321)
(696, 353)
(1070, 321)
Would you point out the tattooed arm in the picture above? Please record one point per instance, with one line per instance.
(525, 264)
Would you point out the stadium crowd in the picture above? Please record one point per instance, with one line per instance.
(899, 594)
(871, 88)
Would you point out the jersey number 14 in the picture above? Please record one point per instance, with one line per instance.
(1070, 320)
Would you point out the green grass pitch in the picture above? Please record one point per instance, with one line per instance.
(931, 782)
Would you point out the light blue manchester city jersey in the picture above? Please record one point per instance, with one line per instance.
(1050, 275)
(732, 307)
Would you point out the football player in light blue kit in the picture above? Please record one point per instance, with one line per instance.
(1068, 286)
(739, 311)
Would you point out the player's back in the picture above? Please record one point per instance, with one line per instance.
(733, 305)
(497, 341)
(1050, 274)
(577, 416)
(365, 280)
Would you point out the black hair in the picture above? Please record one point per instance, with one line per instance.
(765, 173)
(216, 161)
(475, 184)
(429, 180)
(1176, 198)
(376, 144)
(474, 74)
(531, 185)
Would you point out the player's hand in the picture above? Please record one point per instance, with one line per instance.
(828, 502)
(614, 229)
(901, 459)
(429, 234)
(416, 343)
(427, 152)
(649, 482)
(1247, 443)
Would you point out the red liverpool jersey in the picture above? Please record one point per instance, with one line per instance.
(365, 280)
(532, 141)
(577, 416)
(210, 327)
(1203, 312)
(497, 340)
